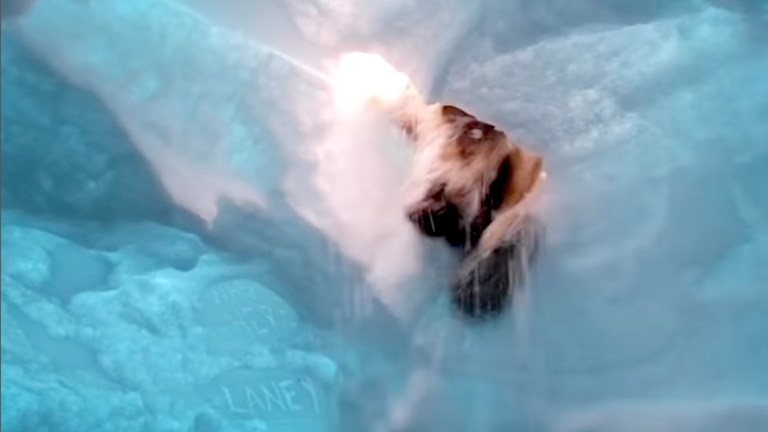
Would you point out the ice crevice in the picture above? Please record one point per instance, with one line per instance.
(192, 240)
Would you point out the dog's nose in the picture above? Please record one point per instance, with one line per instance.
(434, 217)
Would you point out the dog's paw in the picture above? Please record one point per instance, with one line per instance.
(488, 279)
(483, 285)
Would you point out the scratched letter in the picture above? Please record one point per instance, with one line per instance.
(307, 384)
(231, 403)
(289, 393)
(254, 399)
(273, 396)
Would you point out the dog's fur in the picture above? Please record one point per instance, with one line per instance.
(470, 184)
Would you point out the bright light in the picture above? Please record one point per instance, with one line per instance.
(361, 78)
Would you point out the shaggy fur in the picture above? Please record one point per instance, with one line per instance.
(471, 185)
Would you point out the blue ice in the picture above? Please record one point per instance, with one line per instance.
(192, 242)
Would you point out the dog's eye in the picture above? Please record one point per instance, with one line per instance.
(477, 130)
(476, 134)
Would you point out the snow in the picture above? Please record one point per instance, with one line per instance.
(192, 238)
(142, 345)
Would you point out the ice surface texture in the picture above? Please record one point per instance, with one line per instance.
(192, 241)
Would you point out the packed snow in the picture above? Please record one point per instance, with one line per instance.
(194, 239)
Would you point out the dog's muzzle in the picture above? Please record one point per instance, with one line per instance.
(435, 217)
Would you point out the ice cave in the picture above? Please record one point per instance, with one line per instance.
(193, 239)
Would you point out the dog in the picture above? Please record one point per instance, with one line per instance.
(473, 186)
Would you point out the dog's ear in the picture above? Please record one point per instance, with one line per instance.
(497, 189)
(494, 193)
(454, 114)
(523, 169)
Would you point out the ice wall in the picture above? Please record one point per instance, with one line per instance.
(186, 244)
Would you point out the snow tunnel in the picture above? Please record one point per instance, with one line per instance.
(194, 240)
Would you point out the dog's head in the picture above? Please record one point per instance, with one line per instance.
(462, 171)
